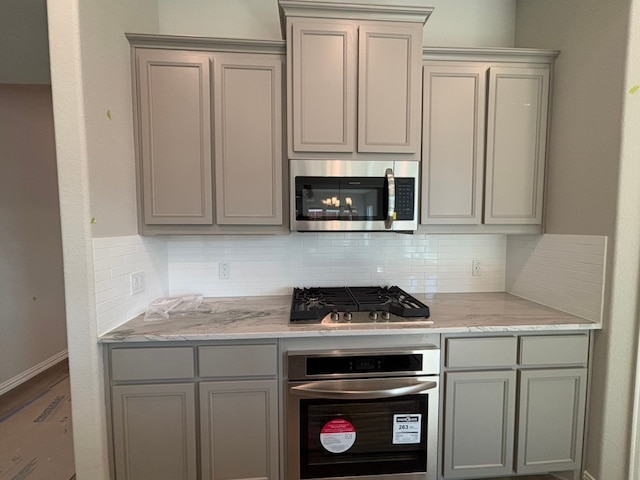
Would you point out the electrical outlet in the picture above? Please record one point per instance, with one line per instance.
(137, 283)
(476, 269)
(224, 271)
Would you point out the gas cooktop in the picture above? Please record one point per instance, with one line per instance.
(345, 305)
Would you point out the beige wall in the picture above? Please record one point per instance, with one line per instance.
(90, 74)
(24, 46)
(32, 315)
(592, 189)
(480, 23)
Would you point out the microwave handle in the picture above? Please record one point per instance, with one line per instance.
(354, 390)
(391, 198)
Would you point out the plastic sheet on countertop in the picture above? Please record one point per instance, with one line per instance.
(165, 308)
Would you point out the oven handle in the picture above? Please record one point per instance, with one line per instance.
(361, 390)
(391, 199)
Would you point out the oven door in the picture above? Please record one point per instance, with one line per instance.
(363, 429)
(337, 195)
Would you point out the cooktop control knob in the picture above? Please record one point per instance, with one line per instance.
(347, 316)
(385, 315)
(373, 315)
(335, 316)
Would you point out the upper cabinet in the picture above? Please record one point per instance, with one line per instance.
(209, 135)
(354, 79)
(485, 121)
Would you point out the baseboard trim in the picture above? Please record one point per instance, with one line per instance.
(587, 476)
(32, 372)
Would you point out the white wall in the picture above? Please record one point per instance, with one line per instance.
(592, 189)
(32, 315)
(479, 23)
(24, 46)
(90, 74)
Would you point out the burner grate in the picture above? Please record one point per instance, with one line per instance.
(313, 304)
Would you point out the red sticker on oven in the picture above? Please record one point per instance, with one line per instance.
(338, 436)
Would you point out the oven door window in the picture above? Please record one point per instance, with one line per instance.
(340, 198)
(363, 437)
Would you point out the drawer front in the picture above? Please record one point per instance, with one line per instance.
(238, 361)
(554, 350)
(152, 363)
(481, 352)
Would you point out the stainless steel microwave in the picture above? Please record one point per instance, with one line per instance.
(342, 195)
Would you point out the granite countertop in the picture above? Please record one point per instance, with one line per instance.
(268, 317)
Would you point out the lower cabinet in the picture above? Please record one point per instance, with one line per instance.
(239, 430)
(514, 404)
(154, 431)
(479, 423)
(192, 412)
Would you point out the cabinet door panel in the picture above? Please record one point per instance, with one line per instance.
(516, 143)
(389, 88)
(154, 431)
(248, 140)
(453, 137)
(175, 137)
(323, 87)
(551, 420)
(239, 430)
(479, 424)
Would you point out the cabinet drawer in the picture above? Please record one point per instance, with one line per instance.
(481, 352)
(152, 363)
(238, 361)
(554, 350)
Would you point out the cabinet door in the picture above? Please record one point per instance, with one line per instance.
(154, 432)
(248, 139)
(239, 430)
(389, 88)
(175, 136)
(479, 424)
(551, 420)
(323, 62)
(516, 144)
(453, 144)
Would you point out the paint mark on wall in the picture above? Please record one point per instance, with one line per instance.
(634, 89)
(109, 114)
(93, 220)
(26, 470)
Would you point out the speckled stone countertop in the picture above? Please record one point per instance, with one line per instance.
(268, 317)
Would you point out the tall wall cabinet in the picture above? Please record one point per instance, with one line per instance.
(485, 117)
(354, 79)
(207, 112)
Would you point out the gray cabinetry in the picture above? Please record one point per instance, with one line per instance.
(154, 430)
(208, 124)
(171, 405)
(354, 83)
(239, 412)
(479, 423)
(239, 429)
(514, 404)
(153, 413)
(470, 180)
(175, 136)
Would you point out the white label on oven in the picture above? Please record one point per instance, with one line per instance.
(338, 436)
(406, 428)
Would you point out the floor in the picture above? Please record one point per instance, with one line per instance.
(35, 428)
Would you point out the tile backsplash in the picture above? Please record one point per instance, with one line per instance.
(269, 265)
(566, 272)
(115, 259)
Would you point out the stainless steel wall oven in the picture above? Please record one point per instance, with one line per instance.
(363, 415)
